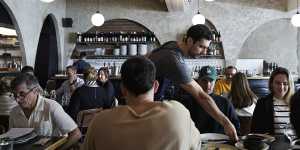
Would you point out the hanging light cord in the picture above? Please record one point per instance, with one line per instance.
(198, 6)
(297, 7)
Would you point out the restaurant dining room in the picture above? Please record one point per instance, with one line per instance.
(149, 74)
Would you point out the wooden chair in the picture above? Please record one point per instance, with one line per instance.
(4, 123)
(84, 118)
(245, 124)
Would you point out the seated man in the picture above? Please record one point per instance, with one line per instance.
(223, 86)
(203, 121)
(143, 124)
(46, 116)
(81, 64)
(69, 86)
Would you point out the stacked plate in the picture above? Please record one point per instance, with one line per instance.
(17, 136)
(214, 138)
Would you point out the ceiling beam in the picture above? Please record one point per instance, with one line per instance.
(175, 5)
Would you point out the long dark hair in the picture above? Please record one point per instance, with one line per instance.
(241, 94)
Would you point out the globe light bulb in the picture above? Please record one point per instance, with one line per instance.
(47, 1)
(97, 19)
(198, 19)
(296, 20)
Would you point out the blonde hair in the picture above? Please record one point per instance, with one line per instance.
(90, 74)
(290, 92)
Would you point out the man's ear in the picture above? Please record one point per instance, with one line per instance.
(155, 86)
(190, 41)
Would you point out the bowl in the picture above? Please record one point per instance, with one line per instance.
(253, 143)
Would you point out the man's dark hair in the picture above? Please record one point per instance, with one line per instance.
(138, 75)
(71, 67)
(199, 32)
(231, 67)
(27, 69)
(295, 112)
(28, 79)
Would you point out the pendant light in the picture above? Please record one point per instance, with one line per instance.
(198, 18)
(47, 1)
(97, 19)
(296, 18)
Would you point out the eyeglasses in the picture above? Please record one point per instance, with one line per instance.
(22, 94)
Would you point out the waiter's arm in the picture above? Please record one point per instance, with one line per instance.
(210, 107)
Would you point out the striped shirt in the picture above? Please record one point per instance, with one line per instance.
(281, 117)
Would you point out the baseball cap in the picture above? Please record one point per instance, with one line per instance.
(208, 72)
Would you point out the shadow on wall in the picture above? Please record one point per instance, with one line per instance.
(153, 5)
(269, 4)
(274, 41)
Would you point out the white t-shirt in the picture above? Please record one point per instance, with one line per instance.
(246, 111)
(48, 118)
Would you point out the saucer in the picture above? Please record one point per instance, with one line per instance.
(263, 137)
(213, 146)
(214, 138)
(240, 146)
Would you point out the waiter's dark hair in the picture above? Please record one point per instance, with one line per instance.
(199, 32)
(27, 69)
(138, 75)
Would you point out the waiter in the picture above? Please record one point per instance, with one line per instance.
(171, 68)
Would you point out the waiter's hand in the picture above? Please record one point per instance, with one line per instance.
(230, 130)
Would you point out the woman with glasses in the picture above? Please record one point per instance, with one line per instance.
(271, 114)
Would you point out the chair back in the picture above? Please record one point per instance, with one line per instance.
(245, 124)
(84, 118)
(4, 123)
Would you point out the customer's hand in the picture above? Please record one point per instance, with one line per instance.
(230, 131)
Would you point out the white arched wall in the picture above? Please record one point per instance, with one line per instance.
(273, 41)
(30, 15)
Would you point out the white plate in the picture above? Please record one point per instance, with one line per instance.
(213, 146)
(240, 146)
(214, 138)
